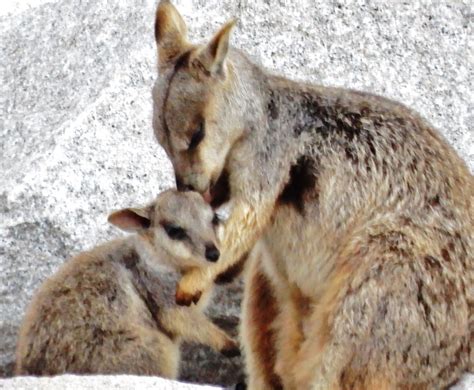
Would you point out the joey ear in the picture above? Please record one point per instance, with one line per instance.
(130, 219)
(170, 32)
(212, 57)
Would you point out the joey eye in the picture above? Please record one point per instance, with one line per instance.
(174, 232)
(216, 220)
(197, 137)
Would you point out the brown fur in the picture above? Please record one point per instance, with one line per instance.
(366, 212)
(103, 313)
(259, 314)
(232, 272)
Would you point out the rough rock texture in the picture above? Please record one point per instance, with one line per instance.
(126, 382)
(75, 122)
(119, 382)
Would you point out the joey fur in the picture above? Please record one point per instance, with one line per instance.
(364, 210)
(100, 313)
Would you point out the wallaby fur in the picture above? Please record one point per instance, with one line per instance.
(366, 212)
(367, 215)
(100, 313)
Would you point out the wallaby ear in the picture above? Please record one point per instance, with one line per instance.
(130, 219)
(170, 32)
(212, 56)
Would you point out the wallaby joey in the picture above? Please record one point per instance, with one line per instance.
(100, 314)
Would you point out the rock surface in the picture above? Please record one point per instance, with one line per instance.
(119, 382)
(75, 124)
(128, 382)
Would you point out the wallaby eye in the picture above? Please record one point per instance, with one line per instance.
(197, 137)
(174, 232)
(216, 220)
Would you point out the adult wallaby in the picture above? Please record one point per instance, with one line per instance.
(365, 212)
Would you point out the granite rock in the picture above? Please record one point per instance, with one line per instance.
(75, 122)
(118, 382)
(129, 382)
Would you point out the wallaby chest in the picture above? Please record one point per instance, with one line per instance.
(305, 261)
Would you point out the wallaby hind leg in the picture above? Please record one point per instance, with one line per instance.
(411, 317)
(289, 333)
(190, 324)
(257, 330)
(146, 352)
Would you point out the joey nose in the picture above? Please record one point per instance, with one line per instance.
(212, 253)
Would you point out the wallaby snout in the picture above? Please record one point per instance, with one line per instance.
(181, 186)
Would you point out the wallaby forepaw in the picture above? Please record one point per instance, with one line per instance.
(185, 299)
(231, 349)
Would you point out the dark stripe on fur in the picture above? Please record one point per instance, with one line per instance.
(220, 192)
(302, 181)
(263, 312)
(131, 262)
(232, 272)
(181, 62)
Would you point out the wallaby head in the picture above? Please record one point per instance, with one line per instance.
(192, 118)
(179, 225)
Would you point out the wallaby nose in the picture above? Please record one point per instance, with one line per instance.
(183, 187)
(212, 253)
